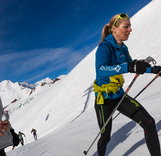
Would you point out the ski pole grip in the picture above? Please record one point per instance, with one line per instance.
(150, 59)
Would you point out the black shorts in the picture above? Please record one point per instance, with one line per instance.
(128, 107)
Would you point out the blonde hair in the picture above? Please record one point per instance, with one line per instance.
(107, 29)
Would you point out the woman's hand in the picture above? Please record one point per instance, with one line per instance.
(156, 70)
(4, 127)
(138, 66)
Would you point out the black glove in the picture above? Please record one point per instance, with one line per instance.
(138, 66)
(156, 70)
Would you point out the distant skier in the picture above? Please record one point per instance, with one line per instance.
(113, 60)
(20, 135)
(34, 131)
(16, 139)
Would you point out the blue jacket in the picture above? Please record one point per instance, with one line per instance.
(111, 59)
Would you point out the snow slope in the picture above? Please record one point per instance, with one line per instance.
(64, 116)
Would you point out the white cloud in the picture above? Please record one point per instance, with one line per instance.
(40, 62)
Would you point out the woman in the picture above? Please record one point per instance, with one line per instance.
(113, 60)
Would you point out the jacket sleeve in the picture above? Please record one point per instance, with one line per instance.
(104, 65)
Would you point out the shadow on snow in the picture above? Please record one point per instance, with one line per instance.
(124, 132)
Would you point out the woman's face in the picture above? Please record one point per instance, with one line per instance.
(122, 32)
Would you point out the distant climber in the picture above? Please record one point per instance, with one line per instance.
(34, 131)
(20, 134)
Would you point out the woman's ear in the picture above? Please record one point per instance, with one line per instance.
(113, 29)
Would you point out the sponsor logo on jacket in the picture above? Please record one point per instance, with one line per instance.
(108, 68)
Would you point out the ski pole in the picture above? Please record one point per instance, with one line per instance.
(156, 76)
(127, 90)
(148, 60)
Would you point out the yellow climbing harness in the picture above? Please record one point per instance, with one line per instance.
(115, 83)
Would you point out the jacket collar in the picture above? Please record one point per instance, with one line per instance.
(110, 38)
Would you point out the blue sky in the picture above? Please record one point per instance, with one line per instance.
(47, 38)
